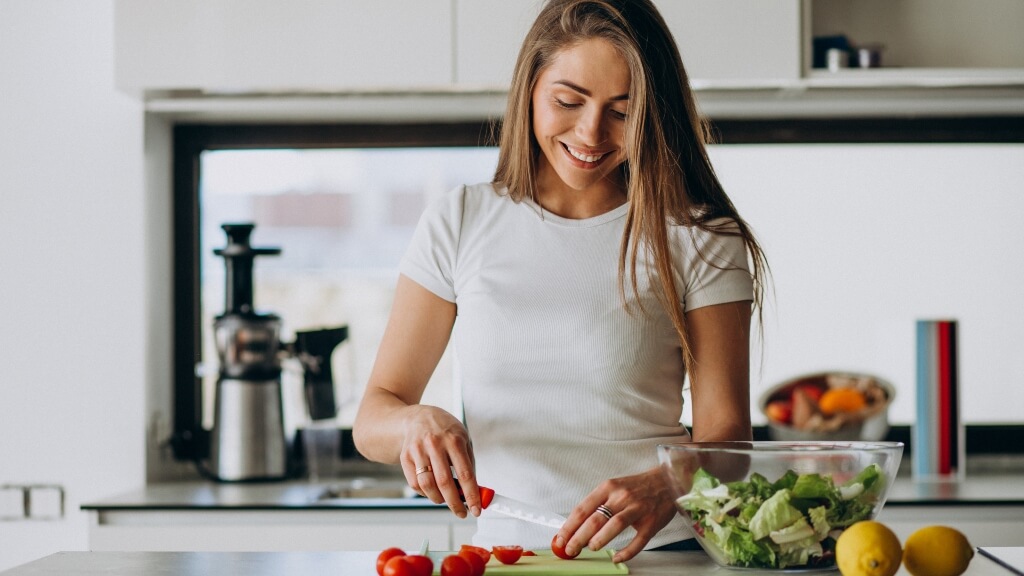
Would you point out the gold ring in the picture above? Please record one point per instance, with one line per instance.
(423, 469)
(605, 511)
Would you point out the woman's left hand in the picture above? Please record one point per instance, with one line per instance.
(643, 501)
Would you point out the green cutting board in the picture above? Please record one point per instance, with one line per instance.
(588, 562)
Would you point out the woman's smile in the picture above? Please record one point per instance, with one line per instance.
(586, 159)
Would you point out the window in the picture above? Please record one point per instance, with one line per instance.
(342, 211)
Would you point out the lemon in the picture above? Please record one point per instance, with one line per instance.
(868, 548)
(937, 551)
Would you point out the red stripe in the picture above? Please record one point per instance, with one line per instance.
(945, 425)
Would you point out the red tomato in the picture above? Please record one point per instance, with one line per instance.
(399, 566)
(529, 553)
(779, 411)
(507, 554)
(560, 550)
(455, 565)
(422, 565)
(475, 560)
(385, 555)
(483, 553)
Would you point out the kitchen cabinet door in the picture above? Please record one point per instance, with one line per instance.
(737, 42)
(268, 45)
(723, 42)
(488, 36)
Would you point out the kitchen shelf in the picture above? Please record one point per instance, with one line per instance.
(923, 43)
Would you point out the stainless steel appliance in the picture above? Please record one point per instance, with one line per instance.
(248, 438)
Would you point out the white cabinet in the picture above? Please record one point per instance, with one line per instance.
(268, 45)
(736, 42)
(277, 530)
(489, 34)
(732, 42)
(984, 525)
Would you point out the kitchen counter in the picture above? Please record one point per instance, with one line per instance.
(357, 563)
(981, 490)
(367, 513)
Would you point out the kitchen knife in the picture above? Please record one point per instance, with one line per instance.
(490, 500)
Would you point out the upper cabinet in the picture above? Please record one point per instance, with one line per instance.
(736, 43)
(440, 48)
(269, 45)
(723, 42)
(914, 42)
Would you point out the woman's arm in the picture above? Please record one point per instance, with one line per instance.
(720, 375)
(391, 426)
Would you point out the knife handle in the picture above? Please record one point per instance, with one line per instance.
(486, 495)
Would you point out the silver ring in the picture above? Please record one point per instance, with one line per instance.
(423, 469)
(605, 511)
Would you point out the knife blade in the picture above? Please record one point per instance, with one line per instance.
(490, 500)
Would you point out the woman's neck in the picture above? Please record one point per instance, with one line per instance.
(557, 198)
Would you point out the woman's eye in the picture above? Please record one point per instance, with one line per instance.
(618, 115)
(566, 105)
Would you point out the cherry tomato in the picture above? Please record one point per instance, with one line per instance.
(476, 562)
(422, 565)
(529, 553)
(455, 565)
(483, 553)
(560, 550)
(385, 555)
(399, 566)
(507, 554)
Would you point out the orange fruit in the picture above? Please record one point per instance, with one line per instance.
(841, 400)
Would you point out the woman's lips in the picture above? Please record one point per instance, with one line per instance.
(582, 158)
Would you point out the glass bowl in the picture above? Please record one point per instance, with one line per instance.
(777, 505)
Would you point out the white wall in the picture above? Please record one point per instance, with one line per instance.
(865, 239)
(72, 298)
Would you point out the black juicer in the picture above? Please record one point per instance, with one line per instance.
(248, 438)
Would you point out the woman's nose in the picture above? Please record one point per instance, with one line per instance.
(590, 126)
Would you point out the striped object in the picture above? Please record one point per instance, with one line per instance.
(937, 442)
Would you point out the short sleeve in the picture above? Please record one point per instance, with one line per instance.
(716, 270)
(431, 257)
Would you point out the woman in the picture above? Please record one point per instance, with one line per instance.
(602, 265)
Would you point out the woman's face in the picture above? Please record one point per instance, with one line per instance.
(579, 113)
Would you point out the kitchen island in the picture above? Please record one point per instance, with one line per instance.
(354, 563)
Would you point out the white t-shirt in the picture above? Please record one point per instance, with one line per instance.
(562, 387)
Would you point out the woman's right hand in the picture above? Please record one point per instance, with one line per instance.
(435, 445)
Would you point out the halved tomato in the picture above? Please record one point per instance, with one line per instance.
(480, 551)
(507, 554)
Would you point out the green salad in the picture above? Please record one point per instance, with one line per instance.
(792, 522)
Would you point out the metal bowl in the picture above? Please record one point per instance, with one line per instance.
(873, 427)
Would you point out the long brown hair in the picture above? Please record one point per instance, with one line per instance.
(669, 177)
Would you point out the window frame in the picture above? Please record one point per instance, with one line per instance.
(190, 441)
